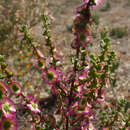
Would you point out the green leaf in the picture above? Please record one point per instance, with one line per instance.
(1, 58)
(114, 67)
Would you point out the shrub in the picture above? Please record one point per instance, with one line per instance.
(77, 91)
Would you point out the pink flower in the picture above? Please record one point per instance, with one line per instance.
(29, 102)
(28, 98)
(74, 44)
(8, 123)
(97, 3)
(34, 106)
(82, 77)
(40, 63)
(50, 76)
(8, 107)
(15, 88)
(91, 126)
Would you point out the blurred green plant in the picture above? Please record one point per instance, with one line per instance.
(107, 7)
(119, 32)
(128, 3)
(12, 15)
(118, 115)
(95, 19)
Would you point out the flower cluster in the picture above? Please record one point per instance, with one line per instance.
(7, 106)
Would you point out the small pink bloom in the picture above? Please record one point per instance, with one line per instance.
(28, 98)
(50, 76)
(82, 77)
(97, 3)
(74, 44)
(8, 123)
(34, 106)
(40, 63)
(15, 88)
(8, 107)
(91, 117)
